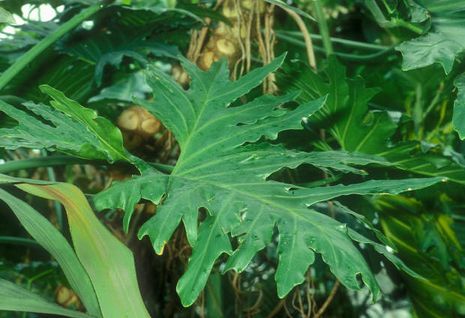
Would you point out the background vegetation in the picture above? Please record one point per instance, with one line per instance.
(243, 158)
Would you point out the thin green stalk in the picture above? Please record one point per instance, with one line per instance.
(32, 163)
(361, 58)
(60, 160)
(347, 56)
(324, 30)
(35, 278)
(37, 49)
(18, 241)
(407, 25)
(349, 43)
(417, 113)
(434, 102)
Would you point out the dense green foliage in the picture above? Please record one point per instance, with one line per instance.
(330, 178)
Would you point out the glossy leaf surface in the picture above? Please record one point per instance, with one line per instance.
(224, 164)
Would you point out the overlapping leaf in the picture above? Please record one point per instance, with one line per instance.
(428, 244)
(458, 119)
(6, 17)
(126, 89)
(389, 14)
(358, 129)
(410, 157)
(223, 167)
(65, 126)
(110, 48)
(444, 43)
(355, 127)
(16, 298)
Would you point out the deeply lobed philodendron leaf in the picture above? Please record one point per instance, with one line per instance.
(224, 164)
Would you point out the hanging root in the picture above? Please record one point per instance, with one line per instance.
(233, 41)
(328, 300)
(306, 35)
(269, 85)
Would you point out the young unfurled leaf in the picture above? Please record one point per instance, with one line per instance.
(224, 164)
(110, 48)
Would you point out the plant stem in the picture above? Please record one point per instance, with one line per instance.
(45, 43)
(435, 100)
(18, 241)
(33, 163)
(404, 24)
(60, 160)
(350, 43)
(348, 56)
(417, 113)
(324, 31)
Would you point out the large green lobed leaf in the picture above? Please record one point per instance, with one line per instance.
(224, 164)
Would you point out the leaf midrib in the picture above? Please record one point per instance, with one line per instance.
(196, 123)
(271, 203)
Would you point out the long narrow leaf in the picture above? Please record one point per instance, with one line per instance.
(108, 262)
(16, 298)
(54, 242)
